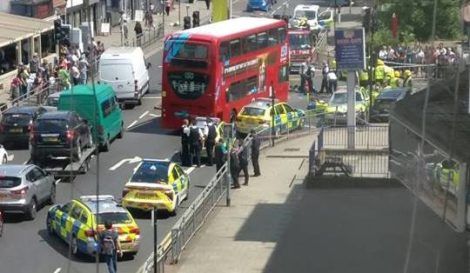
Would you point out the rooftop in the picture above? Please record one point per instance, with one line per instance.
(14, 28)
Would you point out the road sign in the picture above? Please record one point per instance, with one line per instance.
(350, 48)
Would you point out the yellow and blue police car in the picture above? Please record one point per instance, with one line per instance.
(80, 221)
(258, 116)
(156, 183)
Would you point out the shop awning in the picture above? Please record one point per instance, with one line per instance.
(14, 28)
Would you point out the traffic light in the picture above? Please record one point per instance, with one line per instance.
(186, 22)
(195, 18)
(57, 33)
(61, 32)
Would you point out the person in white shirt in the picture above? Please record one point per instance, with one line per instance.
(383, 53)
(332, 81)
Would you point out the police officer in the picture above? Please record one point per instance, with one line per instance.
(243, 159)
(255, 145)
(220, 154)
(234, 166)
(185, 154)
(210, 133)
(195, 142)
(407, 80)
(324, 83)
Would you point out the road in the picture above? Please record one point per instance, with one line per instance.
(26, 246)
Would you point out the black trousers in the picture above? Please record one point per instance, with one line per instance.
(244, 168)
(210, 152)
(324, 85)
(255, 162)
(185, 155)
(195, 151)
(208, 3)
(234, 174)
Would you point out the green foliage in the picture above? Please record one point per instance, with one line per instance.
(415, 19)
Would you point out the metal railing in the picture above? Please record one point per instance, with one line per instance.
(366, 137)
(146, 38)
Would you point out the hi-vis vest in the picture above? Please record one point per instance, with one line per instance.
(380, 72)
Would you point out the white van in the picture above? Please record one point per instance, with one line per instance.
(125, 70)
(308, 11)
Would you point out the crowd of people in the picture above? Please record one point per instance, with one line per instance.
(193, 138)
(42, 77)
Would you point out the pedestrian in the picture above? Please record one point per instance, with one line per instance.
(195, 142)
(110, 246)
(243, 159)
(255, 145)
(83, 67)
(167, 7)
(220, 154)
(34, 64)
(324, 83)
(15, 88)
(208, 4)
(307, 73)
(234, 166)
(75, 73)
(138, 32)
(210, 134)
(332, 81)
(185, 151)
(23, 74)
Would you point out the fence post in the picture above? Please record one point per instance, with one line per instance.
(227, 180)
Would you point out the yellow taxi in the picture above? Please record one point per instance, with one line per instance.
(258, 116)
(156, 183)
(80, 221)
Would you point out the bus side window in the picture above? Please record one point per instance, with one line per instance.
(249, 43)
(282, 35)
(235, 48)
(272, 37)
(262, 40)
(224, 51)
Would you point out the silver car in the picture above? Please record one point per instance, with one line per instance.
(24, 187)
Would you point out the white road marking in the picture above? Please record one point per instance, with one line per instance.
(144, 114)
(155, 115)
(128, 160)
(188, 171)
(117, 165)
(152, 97)
(10, 157)
(132, 124)
(57, 181)
(57, 270)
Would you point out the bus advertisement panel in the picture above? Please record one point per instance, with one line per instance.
(215, 70)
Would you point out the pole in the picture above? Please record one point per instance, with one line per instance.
(273, 126)
(179, 12)
(227, 170)
(371, 59)
(65, 12)
(351, 113)
(163, 18)
(155, 239)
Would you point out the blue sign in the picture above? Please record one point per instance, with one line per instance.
(350, 49)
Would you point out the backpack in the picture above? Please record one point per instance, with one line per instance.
(107, 243)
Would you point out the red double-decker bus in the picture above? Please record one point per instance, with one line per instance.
(216, 69)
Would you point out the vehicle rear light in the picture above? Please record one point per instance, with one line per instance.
(90, 233)
(136, 88)
(69, 134)
(169, 194)
(20, 193)
(134, 230)
(125, 191)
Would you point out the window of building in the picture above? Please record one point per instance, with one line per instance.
(240, 89)
(47, 43)
(8, 59)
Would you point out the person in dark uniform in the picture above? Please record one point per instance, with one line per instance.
(210, 135)
(185, 155)
(234, 166)
(220, 154)
(255, 145)
(243, 159)
(195, 141)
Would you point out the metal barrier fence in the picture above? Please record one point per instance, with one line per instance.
(366, 137)
(146, 38)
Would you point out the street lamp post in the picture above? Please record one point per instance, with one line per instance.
(273, 127)
(155, 239)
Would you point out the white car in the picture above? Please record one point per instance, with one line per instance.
(3, 155)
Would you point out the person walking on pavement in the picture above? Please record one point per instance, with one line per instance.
(210, 133)
(110, 246)
(255, 145)
(220, 154)
(168, 4)
(234, 166)
(138, 32)
(324, 82)
(243, 159)
(195, 142)
(185, 149)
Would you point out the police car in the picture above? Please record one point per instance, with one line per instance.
(258, 116)
(156, 183)
(80, 221)
(336, 112)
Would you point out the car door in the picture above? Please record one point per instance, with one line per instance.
(292, 117)
(281, 112)
(73, 221)
(176, 182)
(35, 185)
(43, 183)
(60, 219)
(183, 177)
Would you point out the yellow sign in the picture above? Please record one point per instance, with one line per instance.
(219, 10)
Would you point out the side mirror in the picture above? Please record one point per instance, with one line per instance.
(149, 65)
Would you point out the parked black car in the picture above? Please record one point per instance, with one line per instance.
(61, 134)
(16, 123)
(380, 111)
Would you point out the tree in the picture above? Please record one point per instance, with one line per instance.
(416, 18)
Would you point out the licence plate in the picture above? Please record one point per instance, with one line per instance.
(147, 196)
(51, 139)
(3, 196)
(16, 130)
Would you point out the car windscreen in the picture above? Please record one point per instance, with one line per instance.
(9, 182)
(253, 111)
(342, 98)
(309, 14)
(51, 125)
(151, 172)
(17, 118)
(114, 218)
(116, 72)
(300, 41)
(184, 50)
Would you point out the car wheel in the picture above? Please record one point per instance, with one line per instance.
(105, 146)
(51, 200)
(74, 246)
(5, 159)
(139, 102)
(50, 229)
(85, 167)
(175, 211)
(121, 133)
(78, 151)
(32, 210)
(187, 193)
